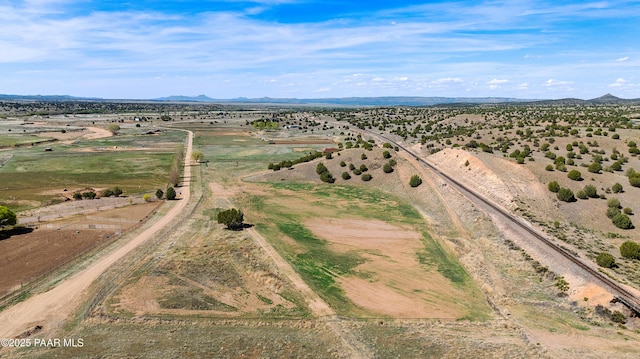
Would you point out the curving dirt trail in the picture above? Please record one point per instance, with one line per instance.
(318, 306)
(51, 308)
(357, 349)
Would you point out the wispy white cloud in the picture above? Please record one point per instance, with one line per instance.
(426, 49)
(619, 83)
(495, 83)
(555, 83)
(447, 80)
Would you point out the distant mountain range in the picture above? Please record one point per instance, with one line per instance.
(350, 101)
(343, 101)
(46, 98)
(607, 99)
(401, 100)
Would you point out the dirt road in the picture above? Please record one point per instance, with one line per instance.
(51, 308)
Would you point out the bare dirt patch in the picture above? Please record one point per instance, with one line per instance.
(27, 256)
(124, 218)
(88, 133)
(392, 281)
(71, 207)
(594, 295)
(502, 180)
(96, 132)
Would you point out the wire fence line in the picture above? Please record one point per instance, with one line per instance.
(109, 219)
(7, 295)
(27, 284)
(82, 226)
(72, 213)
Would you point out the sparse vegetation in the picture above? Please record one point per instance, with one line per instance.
(562, 285)
(220, 260)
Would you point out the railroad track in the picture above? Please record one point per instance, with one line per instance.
(620, 293)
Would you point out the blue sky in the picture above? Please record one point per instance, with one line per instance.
(323, 48)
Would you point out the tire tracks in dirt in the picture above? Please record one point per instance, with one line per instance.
(356, 348)
(428, 177)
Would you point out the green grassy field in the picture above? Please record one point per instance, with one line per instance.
(238, 155)
(286, 206)
(26, 139)
(32, 172)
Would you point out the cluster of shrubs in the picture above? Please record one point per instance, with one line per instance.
(520, 155)
(388, 167)
(367, 145)
(628, 250)
(289, 163)
(482, 146)
(91, 194)
(615, 316)
(619, 219)
(356, 170)
(589, 191)
(84, 195)
(619, 216)
(325, 175)
(115, 191)
(170, 194)
(388, 145)
(563, 194)
(634, 177)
